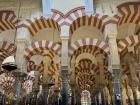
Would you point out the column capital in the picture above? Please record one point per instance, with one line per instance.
(116, 73)
(116, 67)
(64, 37)
(65, 73)
(100, 59)
(64, 30)
(64, 70)
(112, 35)
(23, 35)
(110, 28)
(114, 56)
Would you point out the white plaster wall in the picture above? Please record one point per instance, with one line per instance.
(108, 6)
(7, 36)
(66, 5)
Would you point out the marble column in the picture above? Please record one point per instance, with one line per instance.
(104, 102)
(46, 63)
(73, 81)
(44, 95)
(97, 100)
(35, 89)
(106, 95)
(78, 98)
(73, 98)
(132, 64)
(22, 40)
(100, 62)
(92, 99)
(17, 86)
(115, 64)
(2, 99)
(45, 87)
(127, 90)
(64, 72)
(117, 87)
(56, 99)
(134, 90)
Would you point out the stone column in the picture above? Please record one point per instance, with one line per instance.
(115, 68)
(92, 99)
(56, 99)
(97, 99)
(110, 89)
(78, 99)
(22, 40)
(64, 72)
(64, 62)
(17, 87)
(128, 94)
(45, 87)
(44, 95)
(117, 87)
(134, 90)
(132, 64)
(35, 89)
(100, 62)
(104, 98)
(73, 81)
(106, 95)
(73, 98)
(46, 63)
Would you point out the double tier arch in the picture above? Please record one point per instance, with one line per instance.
(128, 19)
(36, 49)
(88, 41)
(8, 20)
(42, 28)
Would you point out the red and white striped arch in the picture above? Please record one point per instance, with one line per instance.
(32, 67)
(58, 17)
(8, 20)
(128, 42)
(74, 14)
(27, 82)
(37, 24)
(126, 70)
(128, 13)
(7, 81)
(88, 41)
(38, 47)
(86, 66)
(52, 68)
(29, 78)
(86, 81)
(98, 21)
(7, 49)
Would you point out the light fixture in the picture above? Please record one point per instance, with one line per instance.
(9, 64)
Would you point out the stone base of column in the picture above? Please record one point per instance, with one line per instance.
(19, 75)
(45, 94)
(56, 100)
(34, 97)
(65, 74)
(2, 99)
(135, 98)
(117, 87)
